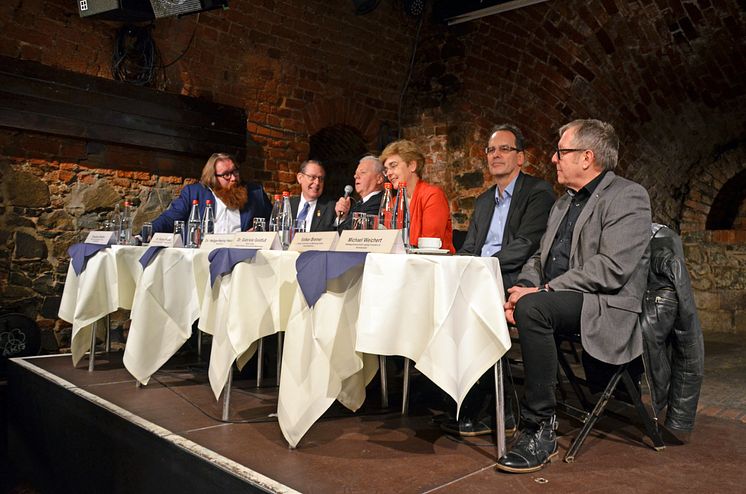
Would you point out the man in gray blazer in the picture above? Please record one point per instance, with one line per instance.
(318, 211)
(589, 274)
(508, 221)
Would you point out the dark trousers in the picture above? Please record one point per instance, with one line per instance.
(538, 317)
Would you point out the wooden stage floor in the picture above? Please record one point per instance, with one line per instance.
(75, 431)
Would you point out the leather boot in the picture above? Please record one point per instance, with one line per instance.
(534, 448)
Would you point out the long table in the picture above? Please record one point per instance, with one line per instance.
(442, 312)
(164, 300)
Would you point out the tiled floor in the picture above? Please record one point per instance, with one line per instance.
(380, 451)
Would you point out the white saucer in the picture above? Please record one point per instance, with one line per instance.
(436, 252)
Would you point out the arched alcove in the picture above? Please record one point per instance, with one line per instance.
(713, 228)
(727, 204)
(339, 147)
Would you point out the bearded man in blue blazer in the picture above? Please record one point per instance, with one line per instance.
(589, 274)
(235, 203)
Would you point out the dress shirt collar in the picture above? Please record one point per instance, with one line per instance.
(365, 199)
(508, 192)
(588, 188)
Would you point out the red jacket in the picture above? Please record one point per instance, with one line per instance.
(430, 216)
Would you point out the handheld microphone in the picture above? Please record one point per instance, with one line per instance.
(348, 191)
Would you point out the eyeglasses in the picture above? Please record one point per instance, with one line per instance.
(313, 178)
(568, 150)
(227, 175)
(503, 149)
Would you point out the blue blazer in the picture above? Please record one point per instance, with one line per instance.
(258, 206)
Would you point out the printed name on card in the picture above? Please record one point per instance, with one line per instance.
(379, 241)
(313, 241)
(101, 238)
(257, 240)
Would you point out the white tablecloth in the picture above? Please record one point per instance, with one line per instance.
(107, 284)
(443, 312)
(319, 360)
(165, 304)
(254, 301)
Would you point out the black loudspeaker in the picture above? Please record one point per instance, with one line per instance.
(169, 8)
(116, 10)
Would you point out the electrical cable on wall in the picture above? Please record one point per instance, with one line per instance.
(135, 56)
(188, 46)
(409, 74)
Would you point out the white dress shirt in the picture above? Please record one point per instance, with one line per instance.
(226, 220)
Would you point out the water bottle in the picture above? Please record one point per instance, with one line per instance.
(386, 211)
(208, 219)
(125, 230)
(194, 228)
(274, 218)
(116, 223)
(286, 221)
(402, 214)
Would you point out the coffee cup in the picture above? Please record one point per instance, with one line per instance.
(429, 243)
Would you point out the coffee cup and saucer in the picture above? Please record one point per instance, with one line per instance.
(429, 245)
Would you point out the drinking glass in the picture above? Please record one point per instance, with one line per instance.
(372, 222)
(180, 228)
(260, 225)
(146, 232)
(300, 226)
(359, 221)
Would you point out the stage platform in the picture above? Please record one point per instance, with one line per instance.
(70, 430)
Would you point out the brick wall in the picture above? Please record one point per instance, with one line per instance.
(669, 74)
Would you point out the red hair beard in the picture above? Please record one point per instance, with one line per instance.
(234, 197)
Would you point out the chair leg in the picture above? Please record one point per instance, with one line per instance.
(603, 401)
(585, 403)
(650, 426)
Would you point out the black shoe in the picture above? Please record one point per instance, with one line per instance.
(532, 450)
(466, 427)
(469, 427)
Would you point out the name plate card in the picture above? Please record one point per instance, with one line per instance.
(101, 238)
(313, 241)
(378, 241)
(257, 240)
(215, 240)
(163, 239)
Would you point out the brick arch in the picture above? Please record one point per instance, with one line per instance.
(330, 112)
(706, 182)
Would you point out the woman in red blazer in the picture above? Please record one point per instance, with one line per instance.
(429, 214)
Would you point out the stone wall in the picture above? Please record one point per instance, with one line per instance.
(46, 206)
(717, 263)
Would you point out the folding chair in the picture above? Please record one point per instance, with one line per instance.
(590, 413)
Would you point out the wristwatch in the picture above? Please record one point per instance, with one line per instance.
(544, 288)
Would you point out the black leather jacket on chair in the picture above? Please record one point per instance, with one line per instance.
(674, 347)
